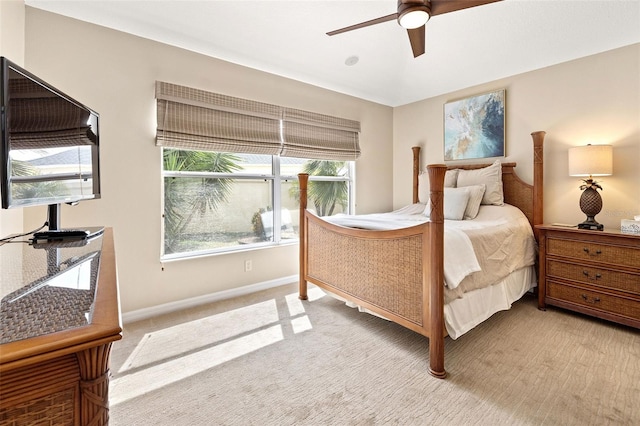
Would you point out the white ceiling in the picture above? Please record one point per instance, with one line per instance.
(287, 38)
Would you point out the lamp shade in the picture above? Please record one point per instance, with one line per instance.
(591, 160)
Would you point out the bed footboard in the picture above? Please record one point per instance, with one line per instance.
(398, 274)
(383, 269)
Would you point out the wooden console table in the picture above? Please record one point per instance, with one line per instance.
(59, 315)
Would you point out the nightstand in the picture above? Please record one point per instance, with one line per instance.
(592, 272)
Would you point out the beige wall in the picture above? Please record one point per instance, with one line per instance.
(595, 99)
(12, 30)
(114, 73)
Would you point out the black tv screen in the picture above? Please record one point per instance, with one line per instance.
(49, 150)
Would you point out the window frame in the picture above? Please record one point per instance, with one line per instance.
(276, 180)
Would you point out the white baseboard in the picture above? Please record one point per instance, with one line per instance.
(145, 313)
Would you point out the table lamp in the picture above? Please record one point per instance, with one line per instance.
(591, 160)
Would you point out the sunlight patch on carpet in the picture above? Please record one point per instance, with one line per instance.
(183, 338)
(175, 353)
(158, 376)
(301, 324)
(296, 309)
(295, 304)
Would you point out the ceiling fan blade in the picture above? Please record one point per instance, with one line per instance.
(365, 24)
(438, 7)
(417, 39)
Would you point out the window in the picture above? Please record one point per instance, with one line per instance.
(230, 169)
(215, 202)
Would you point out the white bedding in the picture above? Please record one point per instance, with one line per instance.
(489, 259)
(461, 315)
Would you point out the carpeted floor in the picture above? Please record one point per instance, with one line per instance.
(270, 359)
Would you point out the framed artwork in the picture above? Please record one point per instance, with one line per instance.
(474, 127)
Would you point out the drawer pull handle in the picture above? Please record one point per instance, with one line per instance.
(586, 250)
(586, 298)
(595, 277)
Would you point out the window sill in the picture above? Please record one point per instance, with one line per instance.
(249, 247)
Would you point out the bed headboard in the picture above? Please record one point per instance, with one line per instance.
(528, 198)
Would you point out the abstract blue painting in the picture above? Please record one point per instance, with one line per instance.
(474, 127)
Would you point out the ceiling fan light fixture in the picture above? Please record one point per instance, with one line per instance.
(413, 16)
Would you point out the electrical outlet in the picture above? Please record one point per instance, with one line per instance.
(248, 265)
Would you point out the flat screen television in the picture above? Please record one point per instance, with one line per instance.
(49, 147)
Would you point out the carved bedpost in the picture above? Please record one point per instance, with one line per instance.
(538, 181)
(303, 179)
(436, 271)
(416, 172)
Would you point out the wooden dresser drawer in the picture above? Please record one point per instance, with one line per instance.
(595, 273)
(591, 251)
(629, 308)
(600, 277)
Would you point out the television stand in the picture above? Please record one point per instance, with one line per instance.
(57, 334)
(67, 234)
(61, 234)
(53, 216)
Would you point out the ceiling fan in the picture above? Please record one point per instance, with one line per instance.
(414, 14)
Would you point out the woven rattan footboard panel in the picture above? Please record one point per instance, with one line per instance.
(386, 273)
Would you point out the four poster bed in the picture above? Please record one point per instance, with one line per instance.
(399, 272)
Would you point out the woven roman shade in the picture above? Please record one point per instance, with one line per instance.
(200, 120)
(195, 119)
(311, 135)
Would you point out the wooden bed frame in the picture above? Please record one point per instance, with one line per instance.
(399, 274)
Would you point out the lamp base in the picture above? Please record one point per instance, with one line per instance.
(591, 224)
(590, 204)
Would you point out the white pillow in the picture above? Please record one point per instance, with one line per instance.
(476, 192)
(450, 178)
(423, 187)
(491, 176)
(455, 203)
